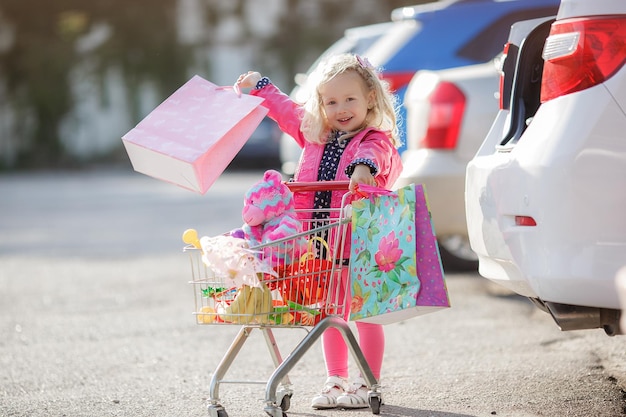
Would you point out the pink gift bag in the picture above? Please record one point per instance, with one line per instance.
(191, 137)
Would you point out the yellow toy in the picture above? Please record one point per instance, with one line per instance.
(190, 237)
(207, 318)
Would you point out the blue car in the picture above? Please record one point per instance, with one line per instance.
(437, 35)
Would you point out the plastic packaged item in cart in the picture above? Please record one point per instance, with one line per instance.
(298, 314)
(256, 305)
(251, 305)
(306, 282)
(231, 258)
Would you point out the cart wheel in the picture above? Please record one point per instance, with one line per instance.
(217, 411)
(275, 412)
(375, 403)
(285, 403)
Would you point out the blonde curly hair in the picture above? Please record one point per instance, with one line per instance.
(383, 115)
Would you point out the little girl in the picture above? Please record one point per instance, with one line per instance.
(347, 129)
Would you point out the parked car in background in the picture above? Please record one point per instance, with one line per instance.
(545, 194)
(261, 151)
(436, 35)
(449, 114)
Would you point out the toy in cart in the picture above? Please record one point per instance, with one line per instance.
(281, 269)
(237, 287)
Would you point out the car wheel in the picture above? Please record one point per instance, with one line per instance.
(456, 253)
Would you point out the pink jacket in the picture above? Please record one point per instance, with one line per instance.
(369, 144)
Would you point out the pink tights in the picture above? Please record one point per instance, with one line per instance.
(371, 341)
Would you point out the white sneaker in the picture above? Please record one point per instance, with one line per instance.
(333, 388)
(356, 396)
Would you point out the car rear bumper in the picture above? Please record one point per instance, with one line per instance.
(567, 172)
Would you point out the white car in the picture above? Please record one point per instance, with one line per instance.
(546, 192)
(449, 112)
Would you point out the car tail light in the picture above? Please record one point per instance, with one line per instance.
(525, 221)
(397, 80)
(447, 105)
(501, 62)
(581, 53)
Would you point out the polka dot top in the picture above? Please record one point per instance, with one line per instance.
(327, 170)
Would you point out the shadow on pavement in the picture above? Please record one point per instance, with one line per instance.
(386, 410)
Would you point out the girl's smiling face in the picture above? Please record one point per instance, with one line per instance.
(346, 101)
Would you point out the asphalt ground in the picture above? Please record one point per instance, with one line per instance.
(96, 320)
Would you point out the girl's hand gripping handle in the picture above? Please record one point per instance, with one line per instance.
(364, 190)
(248, 80)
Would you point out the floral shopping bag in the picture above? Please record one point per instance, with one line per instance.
(395, 267)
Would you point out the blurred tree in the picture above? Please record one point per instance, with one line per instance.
(37, 66)
(144, 44)
(43, 42)
(36, 69)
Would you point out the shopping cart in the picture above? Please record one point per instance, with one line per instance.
(302, 288)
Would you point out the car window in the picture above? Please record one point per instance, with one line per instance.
(490, 41)
(394, 38)
(355, 40)
(361, 45)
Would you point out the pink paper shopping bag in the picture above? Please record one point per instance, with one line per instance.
(191, 137)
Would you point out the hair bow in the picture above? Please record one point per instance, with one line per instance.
(364, 62)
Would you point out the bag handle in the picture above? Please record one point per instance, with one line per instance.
(310, 255)
(234, 87)
(365, 190)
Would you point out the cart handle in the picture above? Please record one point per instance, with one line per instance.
(296, 186)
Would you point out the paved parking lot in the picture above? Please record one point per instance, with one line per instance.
(95, 320)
